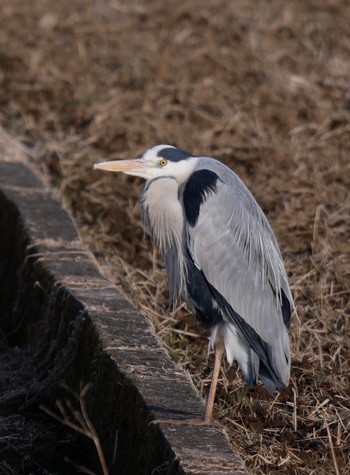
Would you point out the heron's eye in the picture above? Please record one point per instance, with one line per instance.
(163, 162)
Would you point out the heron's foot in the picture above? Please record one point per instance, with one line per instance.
(187, 422)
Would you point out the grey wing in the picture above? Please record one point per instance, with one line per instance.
(233, 245)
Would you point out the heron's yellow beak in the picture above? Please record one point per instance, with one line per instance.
(135, 167)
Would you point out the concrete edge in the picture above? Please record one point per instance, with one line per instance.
(58, 278)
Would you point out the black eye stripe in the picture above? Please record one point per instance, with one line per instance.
(173, 154)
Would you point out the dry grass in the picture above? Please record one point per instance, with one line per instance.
(78, 420)
(263, 86)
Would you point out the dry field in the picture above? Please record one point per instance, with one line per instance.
(263, 86)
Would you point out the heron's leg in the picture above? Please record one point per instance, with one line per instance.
(219, 351)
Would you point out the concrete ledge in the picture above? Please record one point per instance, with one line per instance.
(51, 290)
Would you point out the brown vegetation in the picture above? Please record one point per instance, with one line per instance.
(262, 86)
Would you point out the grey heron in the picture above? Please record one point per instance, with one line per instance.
(221, 257)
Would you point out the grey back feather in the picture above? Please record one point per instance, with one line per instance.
(234, 246)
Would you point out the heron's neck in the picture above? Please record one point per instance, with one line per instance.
(164, 212)
(164, 218)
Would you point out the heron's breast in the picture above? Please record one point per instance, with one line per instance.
(164, 212)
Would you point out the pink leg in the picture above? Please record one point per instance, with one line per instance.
(219, 351)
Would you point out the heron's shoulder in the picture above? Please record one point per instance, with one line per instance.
(212, 164)
(224, 173)
(230, 187)
(214, 185)
(200, 185)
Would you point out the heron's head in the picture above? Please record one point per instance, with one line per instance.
(159, 161)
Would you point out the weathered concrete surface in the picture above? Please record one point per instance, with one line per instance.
(51, 290)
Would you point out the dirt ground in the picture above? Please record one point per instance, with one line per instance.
(262, 86)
